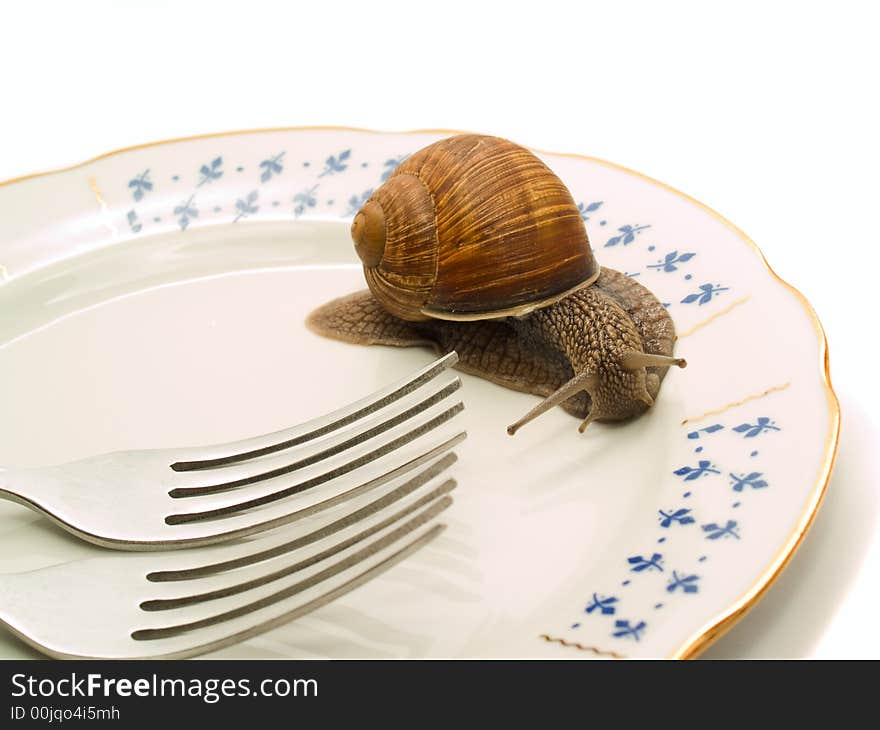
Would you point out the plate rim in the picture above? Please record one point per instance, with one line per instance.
(716, 627)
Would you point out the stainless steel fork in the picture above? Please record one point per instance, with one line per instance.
(182, 603)
(172, 498)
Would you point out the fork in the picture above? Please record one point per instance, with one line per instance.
(172, 498)
(181, 603)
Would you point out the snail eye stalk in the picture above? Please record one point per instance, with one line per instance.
(586, 422)
(584, 381)
(636, 360)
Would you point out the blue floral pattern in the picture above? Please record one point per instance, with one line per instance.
(336, 163)
(624, 629)
(752, 479)
(304, 200)
(671, 261)
(715, 531)
(627, 235)
(586, 208)
(707, 430)
(271, 167)
(677, 517)
(211, 171)
(309, 198)
(639, 563)
(703, 468)
(140, 185)
(750, 430)
(705, 294)
(683, 580)
(604, 605)
(246, 206)
(133, 223)
(687, 583)
(186, 212)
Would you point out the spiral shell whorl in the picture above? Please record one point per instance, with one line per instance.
(404, 275)
(475, 227)
(368, 234)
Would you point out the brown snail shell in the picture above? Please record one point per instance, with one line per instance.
(474, 245)
(472, 227)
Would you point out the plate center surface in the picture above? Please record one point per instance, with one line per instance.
(176, 339)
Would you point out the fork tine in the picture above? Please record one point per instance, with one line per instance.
(246, 524)
(241, 556)
(327, 573)
(255, 472)
(234, 588)
(235, 504)
(227, 635)
(232, 452)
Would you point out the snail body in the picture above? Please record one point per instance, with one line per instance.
(474, 245)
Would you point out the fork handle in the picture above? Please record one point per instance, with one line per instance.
(28, 488)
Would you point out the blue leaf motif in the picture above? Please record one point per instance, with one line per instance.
(753, 480)
(690, 473)
(140, 185)
(670, 261)
(705, 294)
(271, 166)
(709, 429)
(304, 199)
(640, 564)
(624, 629)
(687, 583)
(133, 221)
(585, 209)
(185, 212)
(604, 605)
(335, 163)
(715, 531)
(679, 516)
(211, 171)
(763, 425)
(245, 206)
(628, 235)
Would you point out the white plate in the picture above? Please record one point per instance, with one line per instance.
(155, 297)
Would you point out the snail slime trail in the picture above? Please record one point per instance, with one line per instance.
(474, 245)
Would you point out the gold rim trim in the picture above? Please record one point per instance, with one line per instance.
(736, 403)
(580, 647)
(715, 628)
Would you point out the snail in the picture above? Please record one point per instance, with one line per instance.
(474, 245)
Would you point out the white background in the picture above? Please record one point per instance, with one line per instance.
(767, 112)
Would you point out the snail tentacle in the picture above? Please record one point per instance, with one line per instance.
(586, 422)
(636, 360)
(583, 381)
